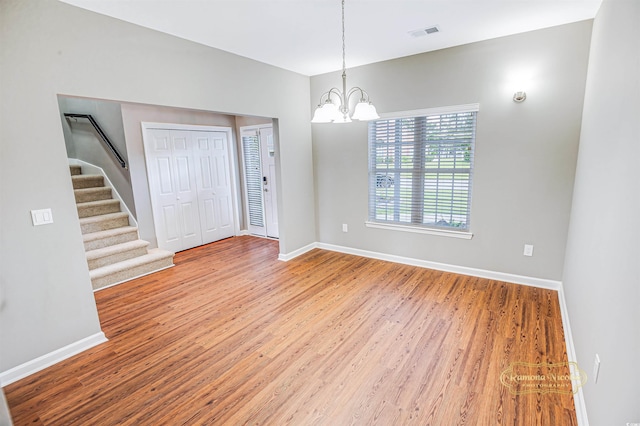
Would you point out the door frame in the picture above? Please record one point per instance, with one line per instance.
(233, 160)
(244, 177)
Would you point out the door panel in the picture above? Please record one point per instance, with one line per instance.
(162, 185)
(186, 193)
(268, 159)
(213, 181)
(170, 222)
(271, 204)
(191, 187)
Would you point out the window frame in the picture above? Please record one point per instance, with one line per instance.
(417, 227)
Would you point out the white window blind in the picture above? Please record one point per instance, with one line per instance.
(420, 170)
(253, 176)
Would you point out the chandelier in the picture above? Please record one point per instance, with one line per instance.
(334, 104)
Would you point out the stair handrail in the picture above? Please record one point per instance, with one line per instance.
(102, 135)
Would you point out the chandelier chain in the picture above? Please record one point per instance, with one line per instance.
(344, 62)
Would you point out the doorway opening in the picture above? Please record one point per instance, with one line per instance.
(261, 195)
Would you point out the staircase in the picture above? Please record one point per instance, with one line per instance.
(114, 252)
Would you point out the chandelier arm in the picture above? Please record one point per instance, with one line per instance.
(327, 95)
(364, 96)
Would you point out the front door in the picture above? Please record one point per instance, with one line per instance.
(260, 180)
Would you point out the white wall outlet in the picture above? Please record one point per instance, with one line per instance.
(596, 368)
(345, 228)
(528, 250)
(41, 217)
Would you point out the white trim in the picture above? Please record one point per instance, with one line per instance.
(420, 230)
(285, 257)
(431, 111)
(23, 370)
(174, 126)
(578, 396)
(463, 270)
(92, 168)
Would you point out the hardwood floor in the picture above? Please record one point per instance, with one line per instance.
(232, 336)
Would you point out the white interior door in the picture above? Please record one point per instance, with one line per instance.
(190, 185)
(173, 185)
(260, 180)
(213, 181)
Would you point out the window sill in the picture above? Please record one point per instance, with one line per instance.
(420, 230)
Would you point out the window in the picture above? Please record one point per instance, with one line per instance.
(420, 169)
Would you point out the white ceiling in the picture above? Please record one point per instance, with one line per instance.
(305, 35)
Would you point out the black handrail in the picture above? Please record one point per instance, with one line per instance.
(102, 135)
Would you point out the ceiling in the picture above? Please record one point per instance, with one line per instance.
(305, 35)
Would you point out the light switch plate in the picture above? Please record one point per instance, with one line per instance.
(41, 217)
(528, 250)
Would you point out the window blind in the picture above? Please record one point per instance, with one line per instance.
(253, 176)
(420, 170)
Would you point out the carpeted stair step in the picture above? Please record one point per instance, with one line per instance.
(85, 195)
(110, 237)
(87, 181)
(155, 260)
(114, 252)
(118, 253)
(97, 208)
(103, 222)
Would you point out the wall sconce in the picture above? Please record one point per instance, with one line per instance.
(519, 97)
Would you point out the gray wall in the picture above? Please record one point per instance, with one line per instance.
(601, 275)
(83, 143)
(525, 153)
(50, 48)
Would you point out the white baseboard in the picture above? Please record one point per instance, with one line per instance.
(288, 256)
(578, 396)
(463, 270)
(21, 371)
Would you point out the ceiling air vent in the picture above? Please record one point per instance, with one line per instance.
(425, 31)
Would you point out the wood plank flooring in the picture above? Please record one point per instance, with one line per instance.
(232, 336)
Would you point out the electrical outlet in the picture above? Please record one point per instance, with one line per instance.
(345, 228)
(528, 250)
(596, 368)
